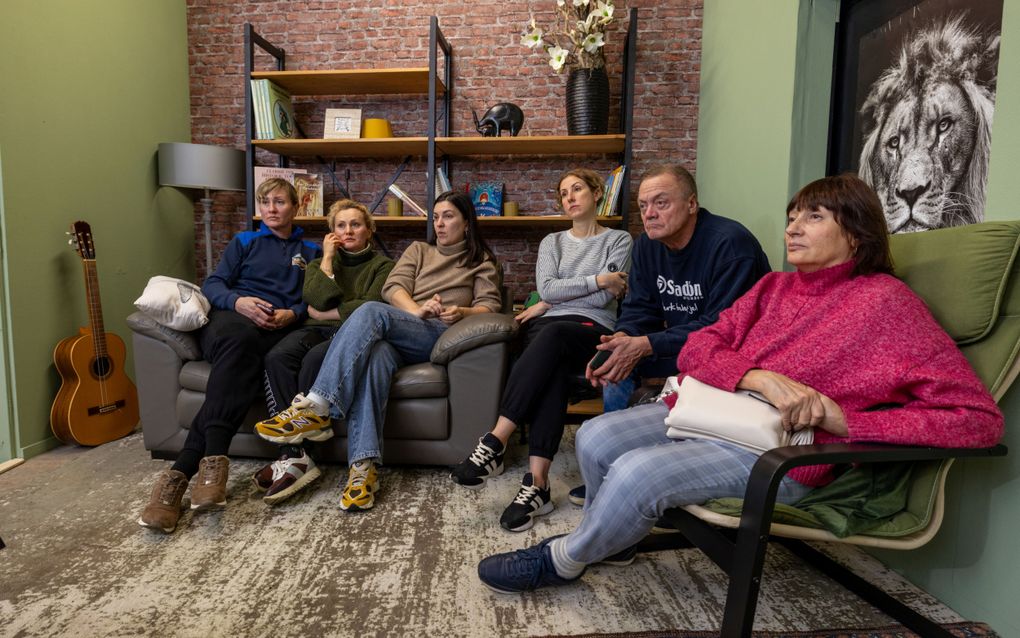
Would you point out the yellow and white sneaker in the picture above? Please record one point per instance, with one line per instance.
(362, 484)
(297, 423)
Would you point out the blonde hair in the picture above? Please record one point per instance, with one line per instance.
(271, 185)
(592, 179)
(344, 204)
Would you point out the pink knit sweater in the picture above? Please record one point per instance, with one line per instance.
(868, 343)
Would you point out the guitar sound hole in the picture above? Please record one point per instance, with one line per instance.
(101, 367)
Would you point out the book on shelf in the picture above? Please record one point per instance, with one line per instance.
(614, 184)
(260, 107)
(442, 181)
(413, 205)
(281, 112)
(309, 193)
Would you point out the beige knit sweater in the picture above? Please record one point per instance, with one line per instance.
(425, 270)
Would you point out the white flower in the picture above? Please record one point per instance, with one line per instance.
(557, 57)
(532, 39)
(577, 38)
(592, 43)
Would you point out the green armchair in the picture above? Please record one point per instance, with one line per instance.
(969, 278)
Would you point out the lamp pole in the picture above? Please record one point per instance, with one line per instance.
(207, 222)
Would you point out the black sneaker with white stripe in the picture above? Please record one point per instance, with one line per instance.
(531, 501)
(485, 462)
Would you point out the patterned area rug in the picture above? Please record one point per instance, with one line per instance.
(77, 563)
(963, 630)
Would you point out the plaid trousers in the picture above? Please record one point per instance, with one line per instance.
(634, 472)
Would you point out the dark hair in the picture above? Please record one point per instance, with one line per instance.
(682, 176)
(477, 250)
(591, 179)
(858, 212)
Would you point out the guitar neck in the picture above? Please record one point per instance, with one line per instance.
(95, 307)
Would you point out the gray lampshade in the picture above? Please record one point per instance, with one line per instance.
(201, 166)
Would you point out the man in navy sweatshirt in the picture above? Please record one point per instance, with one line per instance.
(687, 267)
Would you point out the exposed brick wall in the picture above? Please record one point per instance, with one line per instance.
(489, 66)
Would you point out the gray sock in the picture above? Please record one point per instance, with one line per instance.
(320, 405)
(566, 567)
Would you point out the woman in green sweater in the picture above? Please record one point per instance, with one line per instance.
(349, 273)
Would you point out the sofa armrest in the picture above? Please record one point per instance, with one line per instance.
(185, 344)
(473, 332)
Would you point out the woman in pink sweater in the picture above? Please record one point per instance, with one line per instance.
(840, 346)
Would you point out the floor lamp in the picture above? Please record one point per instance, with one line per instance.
(205, 167)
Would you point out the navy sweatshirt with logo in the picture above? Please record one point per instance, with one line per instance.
(260, 264)
(675, 292)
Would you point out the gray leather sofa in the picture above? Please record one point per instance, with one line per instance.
(436, 412)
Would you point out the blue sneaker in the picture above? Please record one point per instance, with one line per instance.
(576, 495)
(523, 570)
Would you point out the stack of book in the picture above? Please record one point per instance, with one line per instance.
(614, 184)
(274, 111)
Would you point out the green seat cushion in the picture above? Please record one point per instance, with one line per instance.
(904, 505)
(969, 262)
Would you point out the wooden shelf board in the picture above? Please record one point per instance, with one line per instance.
(418, 146)
(362, 147)
(538, 220)
(532, 145)
(354, 82)
(528, 221)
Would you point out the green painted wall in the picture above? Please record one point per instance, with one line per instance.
(763, 118)
(91, 88)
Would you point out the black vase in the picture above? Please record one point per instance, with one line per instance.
(588, 102)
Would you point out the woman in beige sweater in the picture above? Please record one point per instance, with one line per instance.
(433, 286)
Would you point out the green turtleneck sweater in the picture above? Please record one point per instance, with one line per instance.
(358, 278)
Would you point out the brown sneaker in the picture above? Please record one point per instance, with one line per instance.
(164, 508)
(210, 488)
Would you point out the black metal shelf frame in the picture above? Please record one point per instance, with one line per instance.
(437, 43)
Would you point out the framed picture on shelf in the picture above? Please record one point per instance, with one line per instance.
(342, 124)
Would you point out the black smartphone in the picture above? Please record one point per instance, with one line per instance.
(599, 358)
(265, 308)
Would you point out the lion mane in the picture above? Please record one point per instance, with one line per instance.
(927, 128)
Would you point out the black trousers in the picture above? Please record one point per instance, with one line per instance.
(293, 364)
(556, 348)
(235, 347)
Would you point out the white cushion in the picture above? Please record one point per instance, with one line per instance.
(174, 303)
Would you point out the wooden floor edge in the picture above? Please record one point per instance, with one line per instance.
(10, 465)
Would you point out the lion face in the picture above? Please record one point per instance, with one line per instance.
(927, 123)
(924, 150)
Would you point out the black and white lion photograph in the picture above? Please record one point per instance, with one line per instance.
(925, 100)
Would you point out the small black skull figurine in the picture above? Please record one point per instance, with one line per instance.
(500, 117)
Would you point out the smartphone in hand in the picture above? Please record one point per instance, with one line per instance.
(599, 359)
(269, 310)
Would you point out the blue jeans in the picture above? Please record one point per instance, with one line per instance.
(634, 472)
(357, 372)
(616, 396)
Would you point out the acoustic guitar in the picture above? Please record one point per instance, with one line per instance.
(96, 403)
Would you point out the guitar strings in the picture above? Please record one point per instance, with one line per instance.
(96, 322)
